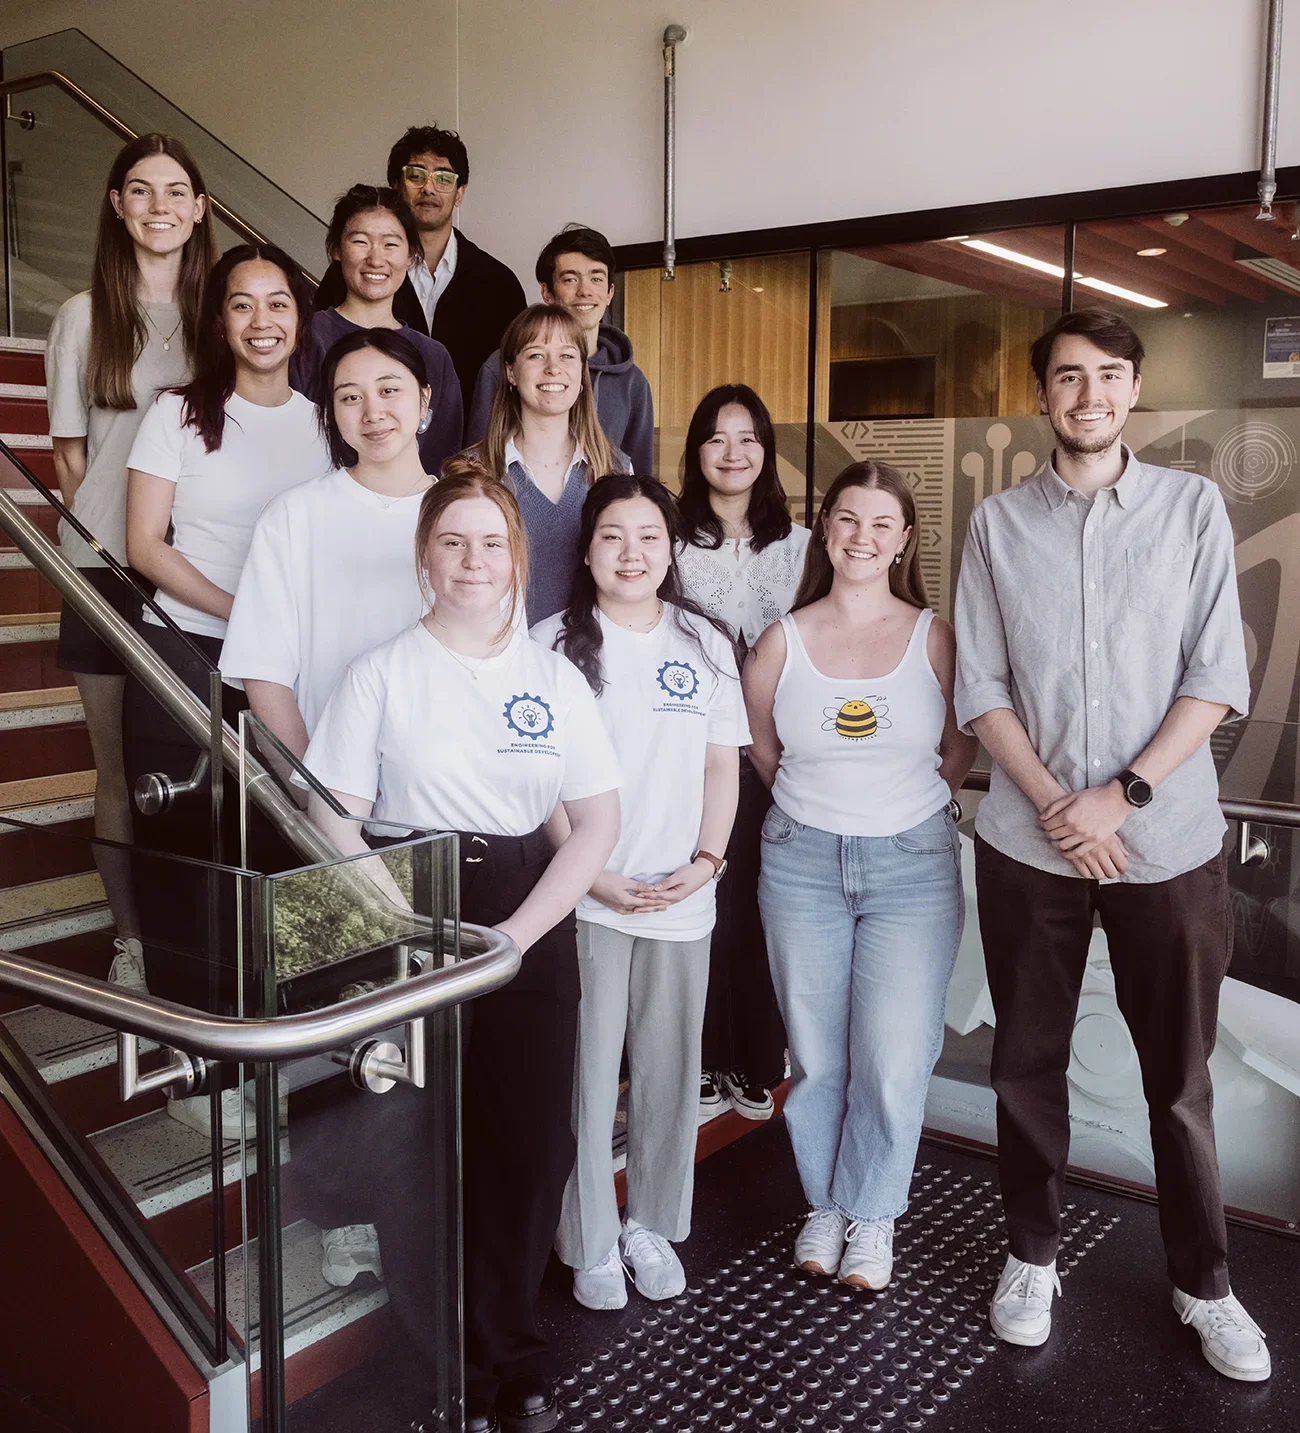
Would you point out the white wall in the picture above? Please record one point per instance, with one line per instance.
(787, 113)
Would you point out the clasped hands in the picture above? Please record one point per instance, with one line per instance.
(1084, 825)
(627, 896)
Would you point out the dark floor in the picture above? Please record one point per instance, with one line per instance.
(1118, 1358)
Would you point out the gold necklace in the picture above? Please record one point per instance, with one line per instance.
(166, 338)
(632, 627)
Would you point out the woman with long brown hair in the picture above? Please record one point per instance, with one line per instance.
(110, 351)
(545, 441)
(851, 709)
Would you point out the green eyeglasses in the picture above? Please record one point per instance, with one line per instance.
(418, 175)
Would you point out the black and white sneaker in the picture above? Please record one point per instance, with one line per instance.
(752, 1101)
(712, 1099)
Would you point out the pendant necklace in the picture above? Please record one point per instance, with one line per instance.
(166, 337)
(387, 503)
(471, 664)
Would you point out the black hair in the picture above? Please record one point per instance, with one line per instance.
(1109, 331)
(769, 514)
(579, 637)
(204, 397)
(575, 239)
(360, 199)
(428, 139)
(387, 341)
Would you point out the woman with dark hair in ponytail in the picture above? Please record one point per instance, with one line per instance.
(850, 700)
(110, 350)
(665, 677)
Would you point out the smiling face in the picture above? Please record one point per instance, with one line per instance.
(630, 551)
(548, 373)
(260, 316)
(583, 286)
(1088, 395)
(429, 195)
(373, 254)
(732, 458)
(468, 563)
(378, 404)
(864, 532)
(158, 205)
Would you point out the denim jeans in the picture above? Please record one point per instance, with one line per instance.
(862, 934)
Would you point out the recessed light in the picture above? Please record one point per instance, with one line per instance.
(1151, 253)
(956, 238)
(758, 290)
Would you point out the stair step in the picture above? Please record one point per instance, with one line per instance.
(21, 345)
(24, 368)
(28, 442)
(11, 560)
(26, 495)
(50, 706)
(25, 666)
(50, 798)
(313, 1309)
(63, 1046)
(38, 900)
(28, 627)
(33, 751)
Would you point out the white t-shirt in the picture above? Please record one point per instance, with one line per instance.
(438, 745)
(330, 573)
(662, 705)
(219, 496)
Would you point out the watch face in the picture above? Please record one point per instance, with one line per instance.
(1138, 792)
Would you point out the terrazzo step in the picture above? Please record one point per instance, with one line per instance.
(313, 1309)
(16, 627)
(62, 1047)
(47, 706)
(11, 560)
(47, 800)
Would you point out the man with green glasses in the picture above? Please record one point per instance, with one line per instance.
(455, 292)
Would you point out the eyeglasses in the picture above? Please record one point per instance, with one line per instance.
(418, 175)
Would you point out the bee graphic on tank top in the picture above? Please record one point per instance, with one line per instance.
(855, 719)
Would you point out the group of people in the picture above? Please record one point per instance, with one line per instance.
(701, 760)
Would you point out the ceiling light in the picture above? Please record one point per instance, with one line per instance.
(758, 290)
(956, 238)
(1176, 221)
(1055, 270)
(1276, 271)
(1151, 253)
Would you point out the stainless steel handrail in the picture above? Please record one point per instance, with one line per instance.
(495, 959)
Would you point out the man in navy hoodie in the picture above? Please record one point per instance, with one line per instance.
(576, 270)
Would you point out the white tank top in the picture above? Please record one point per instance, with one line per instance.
(860, 756)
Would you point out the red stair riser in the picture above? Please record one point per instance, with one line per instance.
(25, 666)
(23, 415)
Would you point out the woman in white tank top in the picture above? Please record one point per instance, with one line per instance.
(850, 706)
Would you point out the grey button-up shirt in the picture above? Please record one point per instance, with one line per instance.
(1088, 618)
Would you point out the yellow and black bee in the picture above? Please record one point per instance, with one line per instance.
(857, 719)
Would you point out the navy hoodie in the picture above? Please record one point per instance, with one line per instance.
(623, 401)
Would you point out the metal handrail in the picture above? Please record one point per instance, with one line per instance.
(495, 959)
(124, 131)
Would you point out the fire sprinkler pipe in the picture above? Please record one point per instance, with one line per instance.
(1268, 142)
(673, 36)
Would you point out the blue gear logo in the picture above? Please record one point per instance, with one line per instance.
(529, 716)
(679, 680)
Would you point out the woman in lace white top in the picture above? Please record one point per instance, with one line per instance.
(742, 563)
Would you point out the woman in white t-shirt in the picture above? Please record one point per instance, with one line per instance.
(742, 562)
(109, 352)
(460, 723)
(850, 703)
(670, 698)
(329, 572)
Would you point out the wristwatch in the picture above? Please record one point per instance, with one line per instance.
(1137, 790)
(719, 863)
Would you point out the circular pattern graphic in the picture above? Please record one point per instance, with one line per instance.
(1252, 461)
(679, 680)
(529, 716)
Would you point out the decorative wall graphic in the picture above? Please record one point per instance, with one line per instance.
(1252, 461)
(992, 478)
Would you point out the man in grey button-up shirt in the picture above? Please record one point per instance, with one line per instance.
(1099, 644)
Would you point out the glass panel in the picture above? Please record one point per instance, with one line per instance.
(738, 321)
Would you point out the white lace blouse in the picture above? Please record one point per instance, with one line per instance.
(749, 590)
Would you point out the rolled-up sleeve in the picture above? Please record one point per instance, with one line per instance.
(1214, 649)
(983, 666)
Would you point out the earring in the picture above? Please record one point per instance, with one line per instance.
(898, 558)
(426, 422)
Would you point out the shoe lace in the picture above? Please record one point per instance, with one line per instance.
(1032, 1284)
(1224, 1315)
(609, 1263)
(823, 1224)
(353, 1236)
(645, 1246)
(875, 1236)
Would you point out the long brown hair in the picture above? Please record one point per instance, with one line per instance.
(117, 324)
(506, 418)
(905, 580)
(463, 477)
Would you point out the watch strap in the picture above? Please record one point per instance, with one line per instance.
(715, 861)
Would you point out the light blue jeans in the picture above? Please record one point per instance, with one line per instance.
(862, 933)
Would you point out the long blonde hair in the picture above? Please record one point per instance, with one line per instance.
(506, 420)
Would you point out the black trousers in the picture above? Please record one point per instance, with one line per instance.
(742, 1022)
(1170, 944)
(370, 1159)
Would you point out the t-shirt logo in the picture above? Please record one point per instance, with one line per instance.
(856, 719)
(679, 680)
(529, 716)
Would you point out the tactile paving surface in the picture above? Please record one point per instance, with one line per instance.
(759, 1345)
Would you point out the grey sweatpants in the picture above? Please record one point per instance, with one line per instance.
(652, 992)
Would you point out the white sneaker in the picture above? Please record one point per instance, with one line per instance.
(1231, 1340)
(712, 1099)
(656, 1270)
(127, 969)
(868, 1259)
(604, 1285)
(1021, 1310)
(195, 1112)
(349, 1251)
(819, 1245)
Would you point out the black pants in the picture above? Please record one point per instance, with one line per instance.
(369, 1159)
(1170, 943)
(742, 1022)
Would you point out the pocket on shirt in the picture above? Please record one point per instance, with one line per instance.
(1155, 575)
(778, 828)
